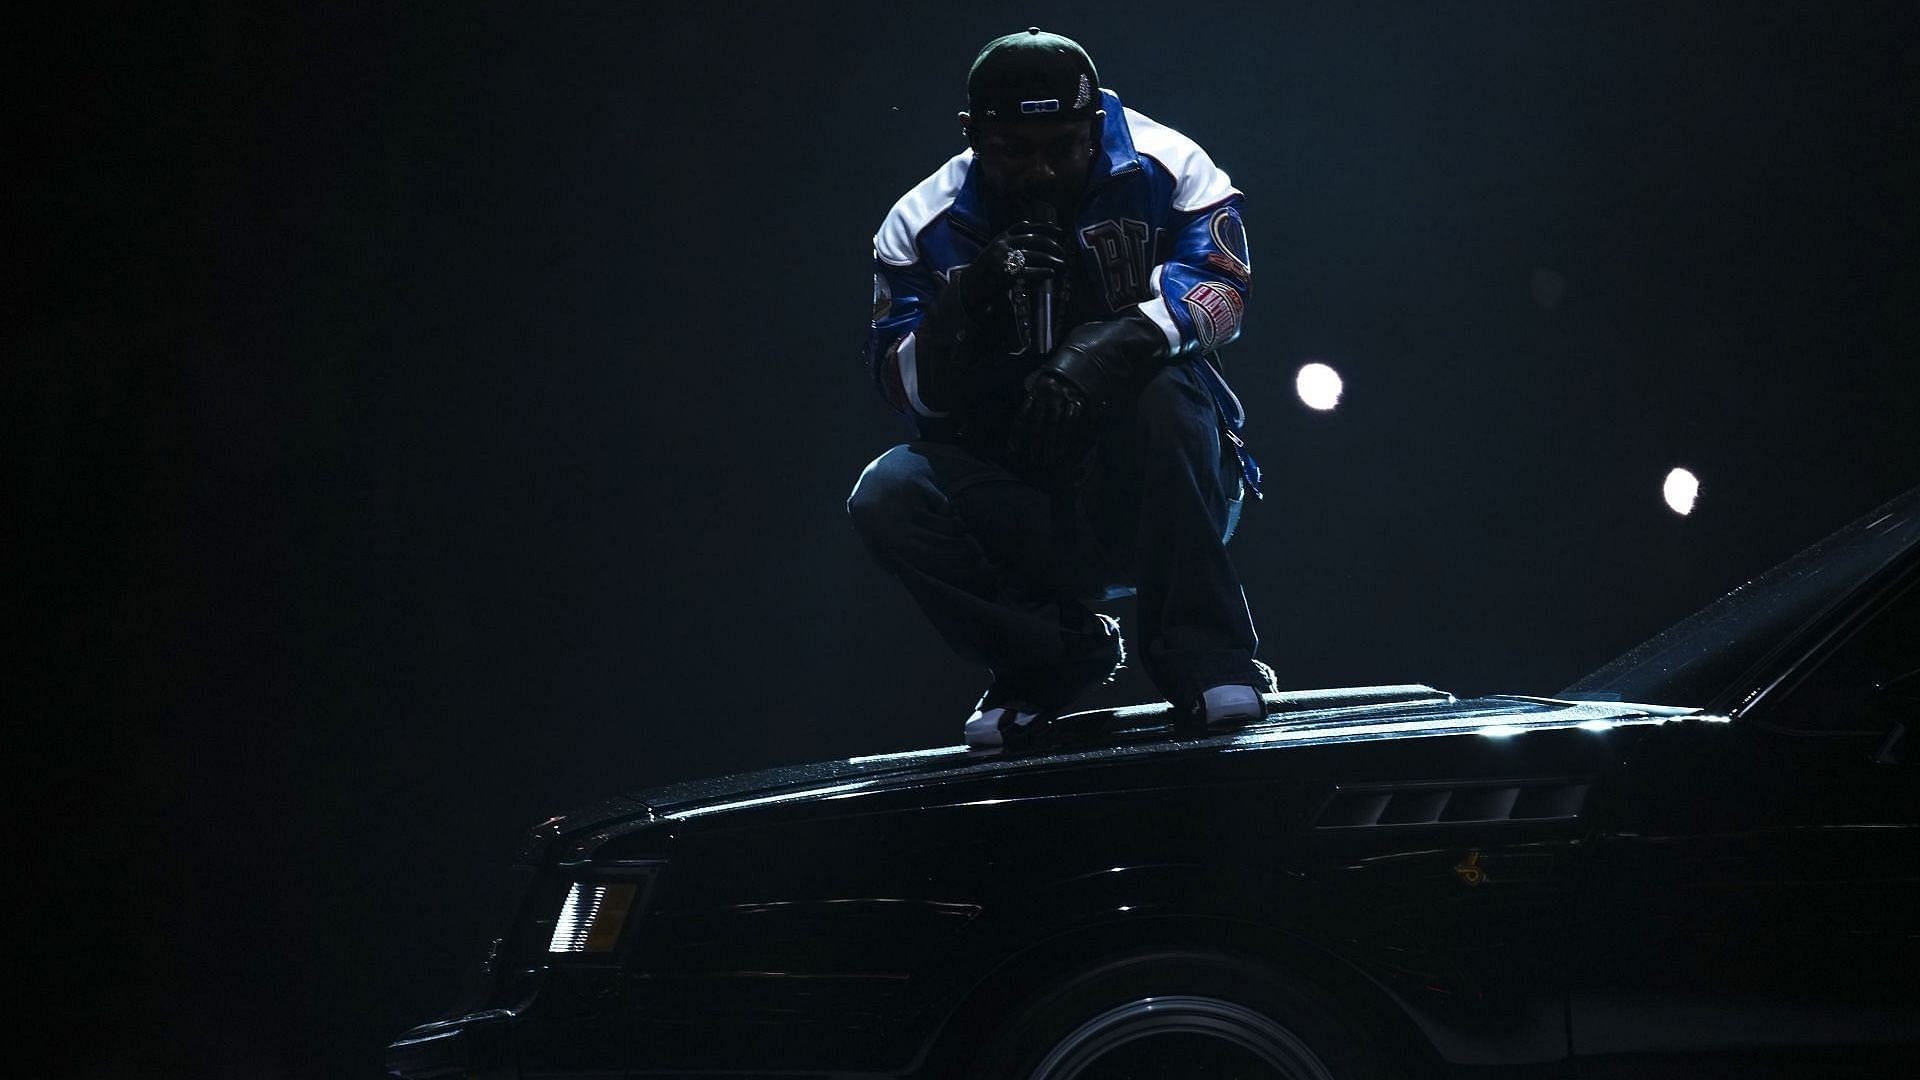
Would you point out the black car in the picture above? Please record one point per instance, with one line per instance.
(1703, 859)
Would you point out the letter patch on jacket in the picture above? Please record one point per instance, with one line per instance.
(1215, 310)
(1121, 249)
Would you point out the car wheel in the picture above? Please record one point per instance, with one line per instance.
(1178, 1017)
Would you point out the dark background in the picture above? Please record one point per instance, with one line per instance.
(429, 418)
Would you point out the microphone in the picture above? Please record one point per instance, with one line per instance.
(1038, 212)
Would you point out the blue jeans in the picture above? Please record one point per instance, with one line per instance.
(1008, 572)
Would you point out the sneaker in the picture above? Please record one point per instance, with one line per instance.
(1231, 706)
(1009, 715)
(1004, 725)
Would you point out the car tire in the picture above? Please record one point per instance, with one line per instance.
(1179, 1016)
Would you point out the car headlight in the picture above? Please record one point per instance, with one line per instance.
(592, 917)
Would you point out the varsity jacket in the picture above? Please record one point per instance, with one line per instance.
(1158, 229)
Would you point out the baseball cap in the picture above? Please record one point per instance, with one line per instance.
(1032, 75)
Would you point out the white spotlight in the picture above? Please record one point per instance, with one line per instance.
(1318, 385)
(1681, 489)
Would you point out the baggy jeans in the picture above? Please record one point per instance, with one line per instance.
(1007, 572)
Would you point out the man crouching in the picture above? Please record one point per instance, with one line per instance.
(1044, 308)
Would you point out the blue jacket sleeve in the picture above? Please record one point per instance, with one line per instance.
(1201, 289)
(902, 297)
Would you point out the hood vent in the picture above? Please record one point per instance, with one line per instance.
(1363, 806)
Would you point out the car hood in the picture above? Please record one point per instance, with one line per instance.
(1298, 718)
(1723, 653)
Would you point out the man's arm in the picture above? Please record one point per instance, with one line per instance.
(1200, 287)
(926, 334)
(1200, 295)
(902, 296)
(1200, 291)
(1198, 304)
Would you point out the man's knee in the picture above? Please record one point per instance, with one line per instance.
(885, 495)
(1173, 409)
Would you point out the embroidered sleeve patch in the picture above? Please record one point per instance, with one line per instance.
(1215, 310)
(1230, 236)
(1229, 267)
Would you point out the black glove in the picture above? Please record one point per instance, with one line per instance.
(1110, 360)
(1026, 251)
(1100, 364)
(1049, 436)
(972, 315)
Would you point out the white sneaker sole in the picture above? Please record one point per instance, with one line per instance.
(1229, 707)
(983, 730)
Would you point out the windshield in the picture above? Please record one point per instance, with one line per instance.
(1699, 660)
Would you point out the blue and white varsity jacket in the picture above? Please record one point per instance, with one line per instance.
(1158, 229)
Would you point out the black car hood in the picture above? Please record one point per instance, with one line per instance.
(1298, 718)
(1720, 655)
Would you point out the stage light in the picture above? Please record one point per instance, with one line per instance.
(1318, 385)
(1681, 489)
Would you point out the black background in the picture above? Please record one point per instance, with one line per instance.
(429, 418)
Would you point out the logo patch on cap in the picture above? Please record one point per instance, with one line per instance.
(1083, 96)
(1051, 104)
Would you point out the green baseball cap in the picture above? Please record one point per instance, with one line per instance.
(1032, 75)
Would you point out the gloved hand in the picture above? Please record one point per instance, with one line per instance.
(1098, 365)
(1026, 251)
(971, 318)
(1050, 433)
(1110, 360)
